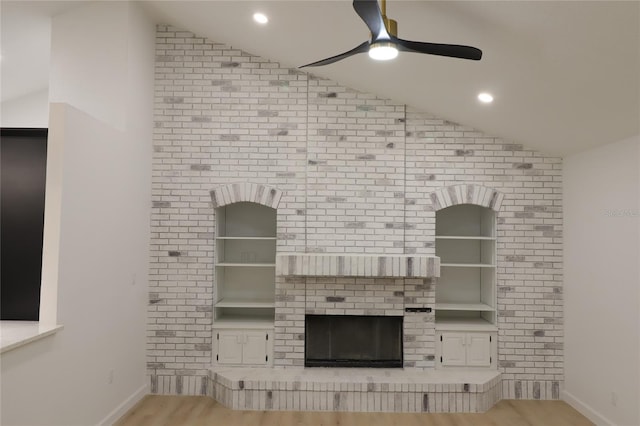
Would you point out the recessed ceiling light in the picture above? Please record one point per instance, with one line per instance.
(260, 18)
(485, 97)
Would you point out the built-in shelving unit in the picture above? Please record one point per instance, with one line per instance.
(245, 265)
(466, 290)
(465, 305)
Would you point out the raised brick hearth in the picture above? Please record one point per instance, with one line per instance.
(331, 389)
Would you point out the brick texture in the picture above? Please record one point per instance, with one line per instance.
(357, 175)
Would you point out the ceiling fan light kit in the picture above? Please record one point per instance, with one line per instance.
(385, 44)
(383, 51)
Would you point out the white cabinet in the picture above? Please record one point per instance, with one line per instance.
(466, 245)
(254, 348)
(453, 349)
(245, 255)
(466, 349)
(478, 349)
(229, 347)
(242, 347)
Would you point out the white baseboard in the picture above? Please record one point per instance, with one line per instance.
(126, 405)
(585, 410)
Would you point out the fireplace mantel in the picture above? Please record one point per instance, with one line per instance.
(356, 265)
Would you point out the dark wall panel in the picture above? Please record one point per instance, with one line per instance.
(23, 159)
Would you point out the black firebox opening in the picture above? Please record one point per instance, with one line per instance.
(353, 341)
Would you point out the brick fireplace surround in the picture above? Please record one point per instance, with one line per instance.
(356, 177)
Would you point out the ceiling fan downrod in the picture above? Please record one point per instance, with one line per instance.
(390, 24)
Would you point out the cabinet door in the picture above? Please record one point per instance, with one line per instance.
(478, 350)
(229, 347)
(254, 351)
(453, 348)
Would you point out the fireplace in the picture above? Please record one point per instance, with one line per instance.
(353, 341)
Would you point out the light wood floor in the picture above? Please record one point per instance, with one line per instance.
(155, 410)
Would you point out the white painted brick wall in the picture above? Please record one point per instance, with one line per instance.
(356, 172)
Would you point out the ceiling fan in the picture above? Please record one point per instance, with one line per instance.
(385, 44)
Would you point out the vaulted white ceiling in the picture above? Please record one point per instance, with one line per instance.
(565, 74)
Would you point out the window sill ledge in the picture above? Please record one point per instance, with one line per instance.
(14, 334)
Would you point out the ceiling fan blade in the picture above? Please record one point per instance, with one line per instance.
(450, 50)
(370, 13)
(359, 49)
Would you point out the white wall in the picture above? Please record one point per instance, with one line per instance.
(31, 110)
(100, 160)
(89, 60)
(602, 282)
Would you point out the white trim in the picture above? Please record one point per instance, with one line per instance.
(14, 334)
(585, 409)
(125, 406)
(51, 233)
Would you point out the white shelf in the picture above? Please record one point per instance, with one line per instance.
(465, 324)
(461, 237)
(243, 322)
(245, 303)
(250, 265)
(245, 267)
(461, 284)
(247, 238)
(464, 307)
(467, 265)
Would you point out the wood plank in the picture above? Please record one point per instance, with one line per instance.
(162, 410)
